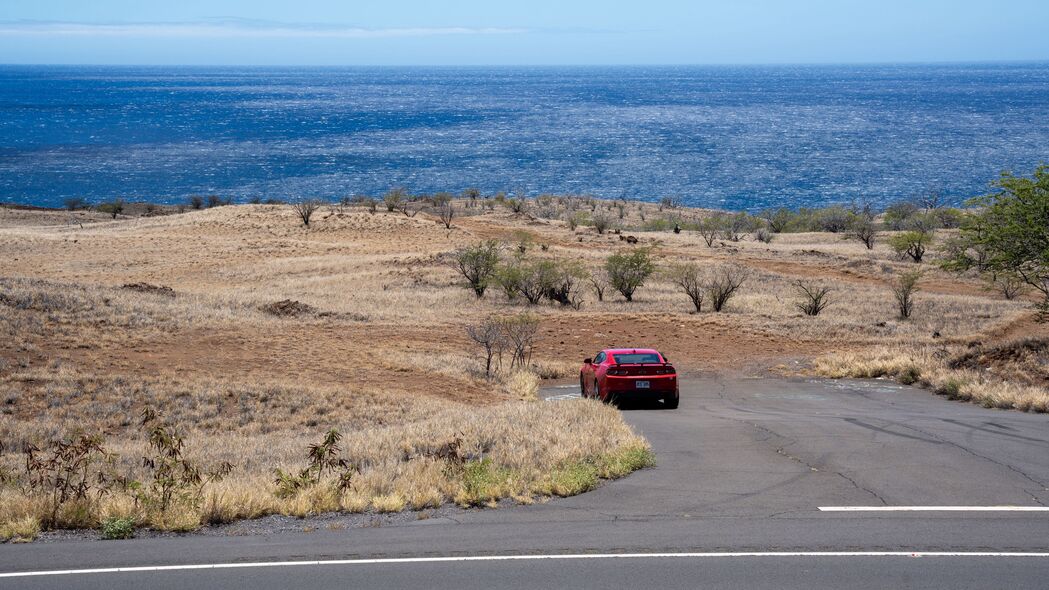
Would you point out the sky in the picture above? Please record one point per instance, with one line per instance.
(531, 32)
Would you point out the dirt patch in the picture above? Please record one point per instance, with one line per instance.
(149, 288)
(288, 308)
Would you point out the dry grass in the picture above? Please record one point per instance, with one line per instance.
(381, 354)
(939, 369)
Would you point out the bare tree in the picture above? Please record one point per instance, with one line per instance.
(599, 282)
(446, 212)
(903, 291)
(814, 297)
(489, 334)
(305, 210)
(520, 334)
(723, 284)
(1009, 284)
(692, 280)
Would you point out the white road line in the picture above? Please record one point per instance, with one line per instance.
(934, 508)
(469, 558)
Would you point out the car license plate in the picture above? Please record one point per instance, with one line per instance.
(641, 384)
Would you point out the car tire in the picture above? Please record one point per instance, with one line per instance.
(671, 403)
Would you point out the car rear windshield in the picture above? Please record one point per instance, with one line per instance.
(638, 358)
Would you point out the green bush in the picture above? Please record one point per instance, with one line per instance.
(118, 528)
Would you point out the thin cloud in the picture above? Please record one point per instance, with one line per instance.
(235, 28)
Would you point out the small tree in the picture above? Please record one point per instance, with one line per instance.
(627, 271)
(477, 264)
(904, 289)
(814, 297)
(723, 284)
(764, 235)
(862, 228)
(912, 244)
(599, 282)
(446, 212)
(1010, 232)
(777, 219)
(711, 227)
(565, 282)
(196, 202)
(489, 335)
(305, 210)
(113, 208)
(692, 280)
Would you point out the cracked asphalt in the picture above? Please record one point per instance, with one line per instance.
(743, 465)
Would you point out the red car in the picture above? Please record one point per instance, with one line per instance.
(640, 374)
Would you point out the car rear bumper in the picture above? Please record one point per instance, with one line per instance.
(659, 387)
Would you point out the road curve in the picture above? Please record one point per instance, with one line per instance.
(760, 483)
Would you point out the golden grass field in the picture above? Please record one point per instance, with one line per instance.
(383, 355)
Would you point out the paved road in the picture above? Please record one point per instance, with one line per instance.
(745, 466)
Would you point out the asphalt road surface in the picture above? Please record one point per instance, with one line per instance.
(761, 483)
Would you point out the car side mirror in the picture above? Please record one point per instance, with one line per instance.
(588, 361)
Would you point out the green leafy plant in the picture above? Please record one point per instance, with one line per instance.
(628, 271)
(118, 528)
(322, 459)
(173, 479)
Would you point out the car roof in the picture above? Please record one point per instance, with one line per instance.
(631, 351)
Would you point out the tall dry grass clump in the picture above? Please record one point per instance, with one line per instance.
(943, 370)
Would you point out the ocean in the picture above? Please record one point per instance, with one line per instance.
(716, 136)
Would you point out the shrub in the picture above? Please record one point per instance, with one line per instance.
(734, 226)
(711, 227)
(1009, 284)
(565, 282)
(723, 284)
(628, 271)
(599, 283)
(777, 220)
(862, 228)
(196, 202)
(1009, 233)
(574, 219)
(305, 210)
(71, 471)
(520, 331)
(74, 203)
(764, 235)
(217, 201)
(489, 335)
(113, 208)
(909, 375)
(322, 459)
(899, 214)
(396, 199)
(912, 244)
(601, 222)
(477, 264)
(446, 212)
(833, 219)
(814, 297)
(173, 480)
(118, 528)
(904, 289)
(692, 280)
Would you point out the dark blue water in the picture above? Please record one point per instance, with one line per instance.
(739, 137)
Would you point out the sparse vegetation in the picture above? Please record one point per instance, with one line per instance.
(691, 279)
(911, 244)
(112, 208)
